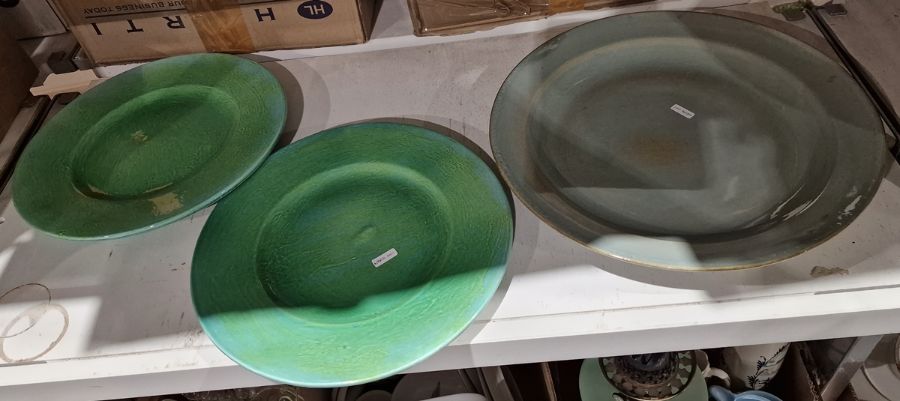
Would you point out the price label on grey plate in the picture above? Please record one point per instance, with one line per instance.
(683, 111)
(384, 257)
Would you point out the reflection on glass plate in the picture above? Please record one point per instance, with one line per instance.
(687, 140)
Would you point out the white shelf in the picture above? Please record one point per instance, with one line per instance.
(131, 330)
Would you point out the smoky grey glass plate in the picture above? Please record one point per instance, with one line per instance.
(687, 140)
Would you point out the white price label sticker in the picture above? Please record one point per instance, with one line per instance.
(384, 257)
(683, 111)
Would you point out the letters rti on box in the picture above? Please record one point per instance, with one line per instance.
(313, 9)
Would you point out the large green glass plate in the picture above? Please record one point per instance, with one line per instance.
(284, 277)
(149, 146)
(687, 140)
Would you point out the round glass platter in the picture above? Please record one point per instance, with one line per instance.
(352, 255)
(687, 140)
(149, 146)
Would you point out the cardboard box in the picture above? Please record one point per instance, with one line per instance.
(450, 17)
(114, 31)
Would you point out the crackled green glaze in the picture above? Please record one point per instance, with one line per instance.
(283, 276)
(149, 146)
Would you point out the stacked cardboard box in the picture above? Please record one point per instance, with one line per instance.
(113, 31)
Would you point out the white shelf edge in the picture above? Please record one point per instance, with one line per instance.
(487, 343)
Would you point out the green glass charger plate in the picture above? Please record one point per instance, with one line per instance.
(149, 146)
(293, 277)
(687, 140)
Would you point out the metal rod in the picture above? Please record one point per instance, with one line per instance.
(851, 362)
